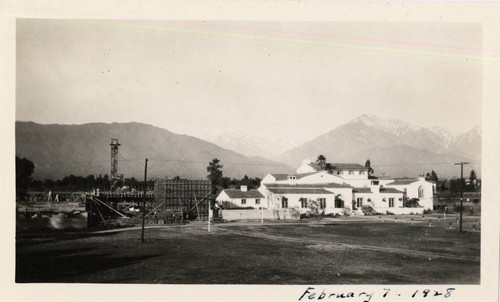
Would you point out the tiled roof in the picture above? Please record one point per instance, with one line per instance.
(402, 181)
(319, 185)
(280, 176)
(348, 166)
(361, 190)
(236, 193)
(302, 175)
(287, 190)
(389, 190)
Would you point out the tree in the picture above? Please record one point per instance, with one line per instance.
(321, 161)
(24, 170)
(245, 181)
(368, 167)
(434, 177)
(329, 168)
(324, 165)
(214, 173)
(456, 185)
(472, 180)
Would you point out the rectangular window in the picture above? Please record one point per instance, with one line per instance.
(257, 201)
(391, 202)
(362, 173)
(359, 202)
(284, 202)
(351, 172)
(303, 202)
(243, 201)
(322, 203)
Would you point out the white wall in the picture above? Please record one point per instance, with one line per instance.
(305, 168)
(377, 199)
(268, 179)
(320, 178)
(412, 192)
(222, 197)
(294, 201)
(358, 183)
(355, 174)
(250, 202)
(401, 211)
(247, 214)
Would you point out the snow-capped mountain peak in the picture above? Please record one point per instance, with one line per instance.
(447, 135)
(394, 126)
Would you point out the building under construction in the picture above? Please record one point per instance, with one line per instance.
(171, 200)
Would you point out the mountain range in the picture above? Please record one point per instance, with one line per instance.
(248, 145)
(394, 147)
(62, 150)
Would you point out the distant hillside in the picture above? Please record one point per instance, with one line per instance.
(248, 145)
(394, 147)
(61, 150)
(469, 143)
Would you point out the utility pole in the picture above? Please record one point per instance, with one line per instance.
(208, 215)
(144, 199)
(461, 189)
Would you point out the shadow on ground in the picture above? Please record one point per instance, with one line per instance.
(68, 264)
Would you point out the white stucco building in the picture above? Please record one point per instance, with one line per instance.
(241, 198)
(345, 189)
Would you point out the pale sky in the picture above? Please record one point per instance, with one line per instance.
(295, 80)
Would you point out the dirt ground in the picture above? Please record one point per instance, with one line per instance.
(369, 250)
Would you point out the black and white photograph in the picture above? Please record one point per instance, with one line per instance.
(251, 152)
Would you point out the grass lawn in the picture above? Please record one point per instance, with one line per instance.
(368, 252)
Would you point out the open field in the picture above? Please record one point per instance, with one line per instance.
(331, 251)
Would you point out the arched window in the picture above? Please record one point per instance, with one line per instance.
(421, 192)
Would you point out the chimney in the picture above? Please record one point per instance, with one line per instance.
(244, 188)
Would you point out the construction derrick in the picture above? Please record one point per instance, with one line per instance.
(115, 177)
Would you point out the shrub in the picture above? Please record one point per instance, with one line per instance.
(427, 211)
(276, 213)
(389, 213)
(295, 213)
(368, 210)
(411, 203)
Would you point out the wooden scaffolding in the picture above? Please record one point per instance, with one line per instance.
(188, 198)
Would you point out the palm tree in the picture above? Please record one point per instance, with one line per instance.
(321, 161)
